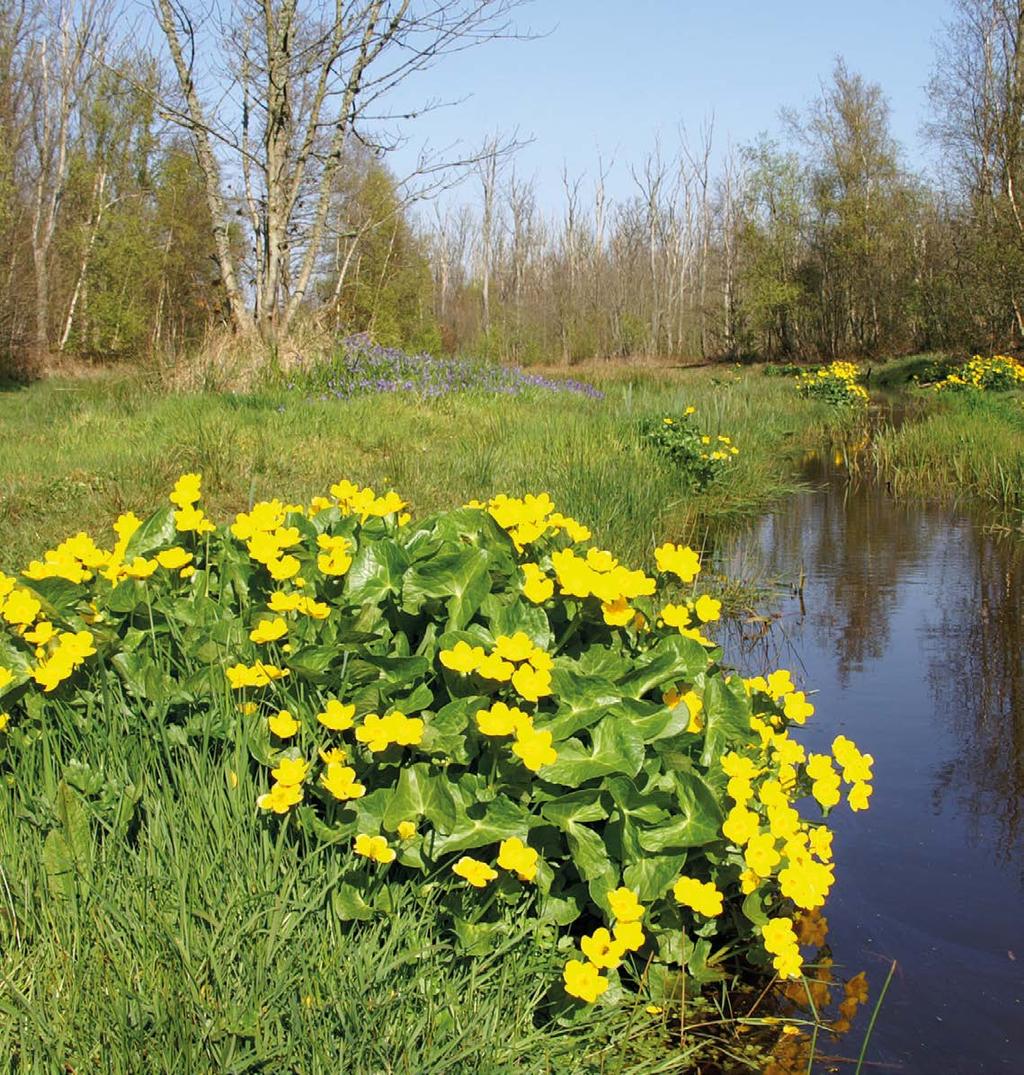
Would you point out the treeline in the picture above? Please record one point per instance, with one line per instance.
(145, 204)
(821, 243)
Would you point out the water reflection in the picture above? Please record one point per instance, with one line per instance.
(979, 681)
(910, 622)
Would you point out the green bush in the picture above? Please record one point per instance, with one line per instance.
(835, 383)
(701, 457)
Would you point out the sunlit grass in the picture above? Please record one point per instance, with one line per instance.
(76, 454)
(968, 449)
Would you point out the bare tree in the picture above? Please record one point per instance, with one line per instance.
(66, 56)
(306, 79)
(977, 94)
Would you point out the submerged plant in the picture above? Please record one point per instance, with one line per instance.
(482, 699)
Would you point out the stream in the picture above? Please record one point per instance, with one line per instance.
(909, 624)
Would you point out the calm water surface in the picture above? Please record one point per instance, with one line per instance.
(911, 628)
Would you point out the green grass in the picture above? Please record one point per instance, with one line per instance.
(191, 936)
(75, 454)
(967, 448)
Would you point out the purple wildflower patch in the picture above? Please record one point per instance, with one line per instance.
(362, 367)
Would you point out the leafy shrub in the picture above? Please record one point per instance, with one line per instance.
(835, 383)
(1000, 373)
(362, 367)
(701, 457)
(482, 698)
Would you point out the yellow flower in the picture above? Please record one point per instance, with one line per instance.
(20, 609)
(806, 883)
(378, 733)
(340, 781)
(462, 658)
(583, 981)
(859, 795)
(50, 674)
(290, 771)
(675, 615)
(820, 840)
(760, 854)
(788, 963)
(629, 935)
(514, 855)
(787, 751)
(286, 567)
(707, 608)
(140, 568)
(617, 613)
(264, 517)
(741, 825)
(826, 792)
(734, 764)
(531, 684)
(537, 587)
(187, 490)
(281, 798)
(335, 559)
(283, 724)
(269, 630)
(474, 871)
(602, 949)
(739, 789)
(285, 602)
(406, 830)
(174, 559)
(191, 519)
(240, 676)
(778, 935)
(501, 719)
(516, 648)
(332, 754)
(337, 717)
(695, 704)
(779, 684)
(677, 560)
(749, 882)
(625, 906)
(375, 848)
(534, 748)
(701, 896)
(43, 632)
(493, 667)
(5, 719)
(797, 708)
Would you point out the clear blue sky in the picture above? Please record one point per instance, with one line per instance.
(611, 75)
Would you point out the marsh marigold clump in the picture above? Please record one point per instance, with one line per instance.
(484, 697)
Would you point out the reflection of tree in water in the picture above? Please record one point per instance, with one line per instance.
(978, 680)
(855, 543)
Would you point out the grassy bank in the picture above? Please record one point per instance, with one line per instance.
(966, 448)
(75, 454)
